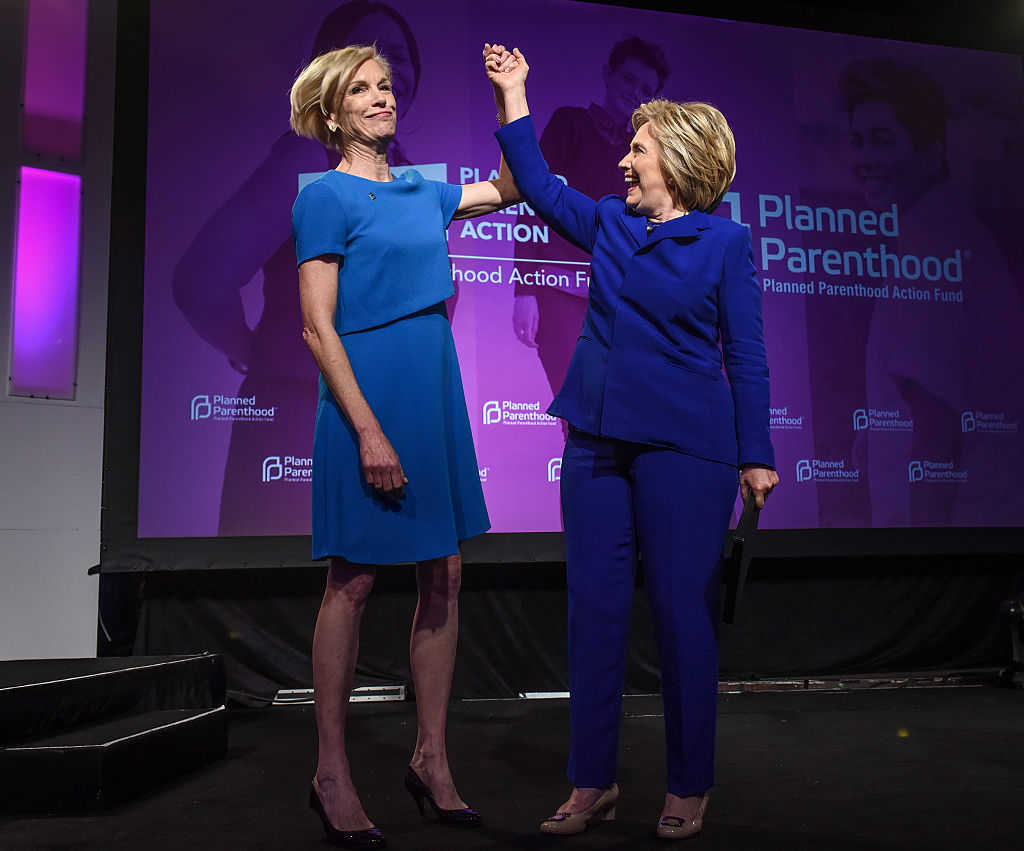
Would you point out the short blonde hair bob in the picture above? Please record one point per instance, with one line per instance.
(698, 151)
(319, 90)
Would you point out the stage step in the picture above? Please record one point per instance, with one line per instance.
(80, 733)
(45, 697)
(111, 761)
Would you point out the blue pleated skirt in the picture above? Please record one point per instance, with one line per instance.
(409, 373)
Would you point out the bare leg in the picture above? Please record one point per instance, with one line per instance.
(335, 648)
(435, 633)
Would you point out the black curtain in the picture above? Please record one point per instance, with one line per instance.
(808, 617)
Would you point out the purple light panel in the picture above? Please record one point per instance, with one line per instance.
(55, 77)
(44, 337)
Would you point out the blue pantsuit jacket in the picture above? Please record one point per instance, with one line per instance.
(648, 367)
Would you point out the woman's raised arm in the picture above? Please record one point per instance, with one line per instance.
(569, 212)
(489, 196)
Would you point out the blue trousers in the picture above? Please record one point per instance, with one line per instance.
(618, 498)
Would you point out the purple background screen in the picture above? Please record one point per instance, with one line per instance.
(886, 233)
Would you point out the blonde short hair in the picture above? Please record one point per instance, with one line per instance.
(698, 151)
(320, 87)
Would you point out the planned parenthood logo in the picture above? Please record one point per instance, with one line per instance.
(881, 419)
(287, 468)
(934, 471)
(824, 470)
(782, 419)
(990, 422)
(222, 408)
(492, 413)
(272, 468)
(555, 470)
(511, 413)
(201, 409)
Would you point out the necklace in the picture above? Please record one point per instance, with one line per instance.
(652, 225)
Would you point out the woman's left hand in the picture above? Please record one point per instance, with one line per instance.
(506, 70)
(760, 480)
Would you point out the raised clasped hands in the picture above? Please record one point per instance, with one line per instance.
(760, 480)
(505, 69)
(381, 467)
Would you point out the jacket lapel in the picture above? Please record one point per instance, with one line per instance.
(682, 227)
(637, 227)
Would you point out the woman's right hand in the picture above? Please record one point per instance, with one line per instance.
(525, 319)
(505, 70)
(381, 466)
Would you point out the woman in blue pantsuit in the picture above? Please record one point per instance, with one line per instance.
(657, 437)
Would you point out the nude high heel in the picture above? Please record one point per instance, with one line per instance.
(566, 824)
(675, 827)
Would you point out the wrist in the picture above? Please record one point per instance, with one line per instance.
(515, 105)
(367, 429)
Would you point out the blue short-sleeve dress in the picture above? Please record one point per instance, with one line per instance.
(393, 277)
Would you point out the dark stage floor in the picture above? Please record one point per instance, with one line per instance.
(933, 768)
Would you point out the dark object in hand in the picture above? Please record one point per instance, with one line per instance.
(736, 556)
(1012, 611)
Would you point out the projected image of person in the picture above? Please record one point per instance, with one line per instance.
(930, 353)
(582, 144)
(395, 476)
(249, 238)
(658, 439)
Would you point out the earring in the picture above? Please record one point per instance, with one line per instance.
(332, 126)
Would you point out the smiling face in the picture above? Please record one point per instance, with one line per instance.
(646, 191)
(367, 112)
(885, 162)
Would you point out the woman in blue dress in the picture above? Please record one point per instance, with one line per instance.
(395, 476)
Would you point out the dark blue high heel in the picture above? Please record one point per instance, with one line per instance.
(371, 838)
(421, 793)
